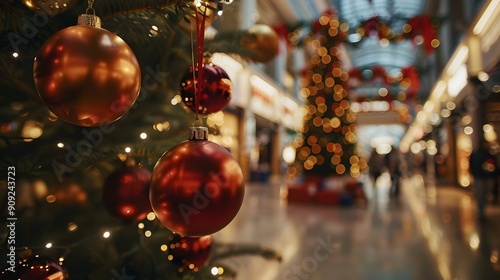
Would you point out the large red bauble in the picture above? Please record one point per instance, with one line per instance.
(126, 193)
(196, 188)
(216, 89)
(87, 76)
(189, 252)
(36, 267)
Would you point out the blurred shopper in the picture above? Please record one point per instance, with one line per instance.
(394, 166)
(483, 168)
(376, 163)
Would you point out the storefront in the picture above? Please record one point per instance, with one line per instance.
(464, 104)
(254, 124)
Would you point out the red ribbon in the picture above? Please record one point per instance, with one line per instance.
(200, 42)
(373, 25)
(411, 74)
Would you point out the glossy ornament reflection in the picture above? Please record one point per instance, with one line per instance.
(196, 187)
(87, 76)
(216, 89)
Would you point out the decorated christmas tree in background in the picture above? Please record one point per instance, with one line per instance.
(83, 168)
(327, 146)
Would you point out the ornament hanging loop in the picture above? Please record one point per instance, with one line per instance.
(198, 122)
(198, 133)
(90, 9)
(89, 18)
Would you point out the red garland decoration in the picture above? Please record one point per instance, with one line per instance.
(282, 30)
(373, 25)
(409, 75)
(316, 26)
(422, 25)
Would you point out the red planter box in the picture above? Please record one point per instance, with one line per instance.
(328, 197)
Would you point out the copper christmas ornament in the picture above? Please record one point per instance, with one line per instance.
(87, 76)
(262, 41)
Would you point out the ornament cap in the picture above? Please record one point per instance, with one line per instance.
(198, 133)
(89, 20)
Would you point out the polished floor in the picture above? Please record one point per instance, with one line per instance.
(428, 233)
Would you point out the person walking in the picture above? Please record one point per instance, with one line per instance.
(483, 168)
(375, 165)
(394, 166)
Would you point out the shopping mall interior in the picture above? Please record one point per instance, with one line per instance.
(250, 139)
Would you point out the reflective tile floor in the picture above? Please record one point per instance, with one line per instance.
(428, 233)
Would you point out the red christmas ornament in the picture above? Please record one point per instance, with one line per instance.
(189, 252)
(86, 75)
(126, 193)
(36, 267)
(196, 187)
(215, 93)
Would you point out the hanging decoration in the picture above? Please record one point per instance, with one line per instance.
(262, 43)
(126, 193)
(205, 88)
(86, 75)
(421, 30)
(189, 253)
(407, 79)
(36, 267)
(189, 22)
(50, 7)
(215, 91)
(197, 187)
(418, 29)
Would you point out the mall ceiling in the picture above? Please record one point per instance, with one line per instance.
(368, 55)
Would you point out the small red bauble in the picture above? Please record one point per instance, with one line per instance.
(126, 193)
(36, 267)
(87, 76)
(69, 193)
(196, 187)
(216, 89)
(189, 252)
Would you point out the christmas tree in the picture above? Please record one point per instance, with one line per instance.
(327, 146)
(73, 183)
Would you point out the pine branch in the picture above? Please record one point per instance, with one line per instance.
(229, 43)
(112, 8)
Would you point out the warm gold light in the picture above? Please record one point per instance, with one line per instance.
(340, 169)
(335, 159)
